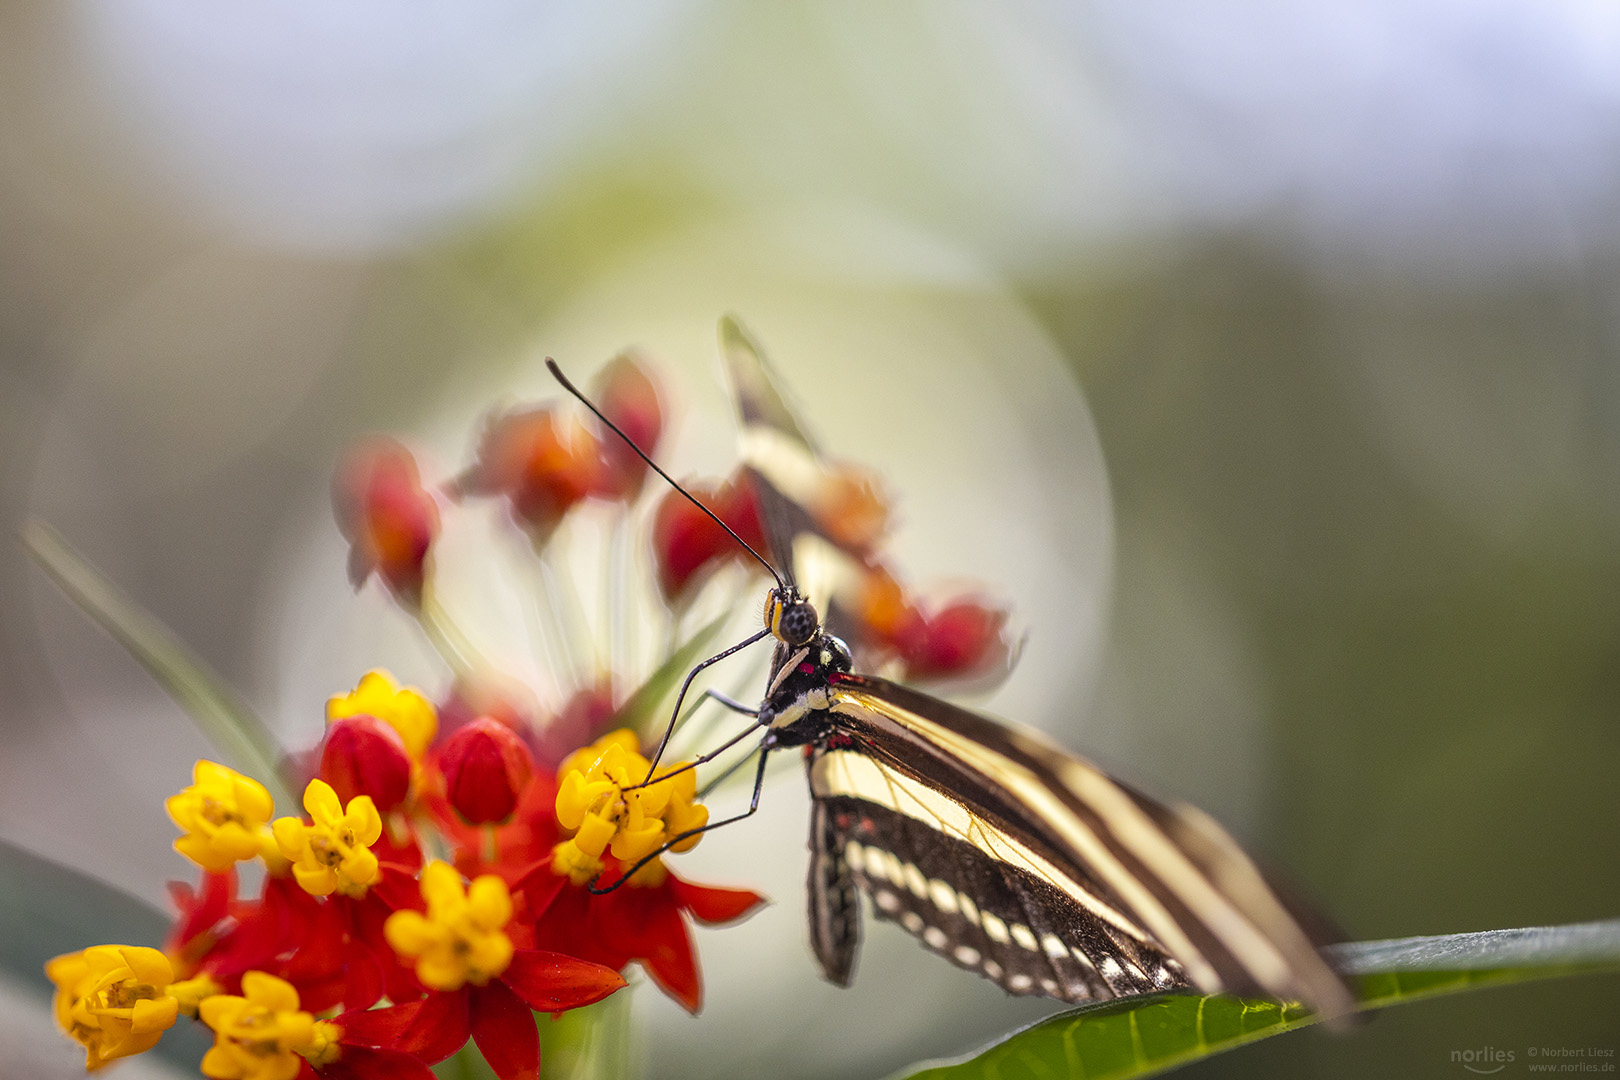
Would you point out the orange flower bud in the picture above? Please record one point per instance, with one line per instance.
(885, 616)
(364, 756)
(543, 463)
(389, 519)
(852, 509)
(486, 766)
(627, 395)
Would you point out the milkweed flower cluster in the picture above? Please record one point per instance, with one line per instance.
(464, 860)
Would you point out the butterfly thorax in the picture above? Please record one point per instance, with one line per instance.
(797, 698)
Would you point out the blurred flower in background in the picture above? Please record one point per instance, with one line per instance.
(1339, 281)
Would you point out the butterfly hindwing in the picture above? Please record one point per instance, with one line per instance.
(835, 911)
(1123, 878)
(985, 915)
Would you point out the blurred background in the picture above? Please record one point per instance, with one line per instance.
(1265, 356)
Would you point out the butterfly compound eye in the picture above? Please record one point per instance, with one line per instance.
(794, 622)
(798, 624)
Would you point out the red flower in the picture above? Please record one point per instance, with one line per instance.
(542, 463)
(497, 1016)
(202, 911)
(851, 508)
(330, 950)
(511, 850)
(481, 986)
(884, 617)
(485, 767)
(636, 923)
(389, 519)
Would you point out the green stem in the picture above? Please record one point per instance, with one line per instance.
(241, 738)
(447, 638)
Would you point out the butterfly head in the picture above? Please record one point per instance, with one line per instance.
(791, 618)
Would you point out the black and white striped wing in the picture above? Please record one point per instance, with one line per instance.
(982, 913)
(1018, 860)
(835, 908)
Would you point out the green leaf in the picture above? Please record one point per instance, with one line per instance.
(243, 741)
(643, 707)
(1146, 1035)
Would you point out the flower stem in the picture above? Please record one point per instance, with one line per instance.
(447, 639)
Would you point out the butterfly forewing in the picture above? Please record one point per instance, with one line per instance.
(996, 849)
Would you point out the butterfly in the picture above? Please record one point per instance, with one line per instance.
(1001, 851)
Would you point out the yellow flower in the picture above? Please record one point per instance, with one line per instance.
(333, 854)
(461, 938)
(223, 814)
(113, 999)
(259, 1035)
(593, 802)
(403, 709)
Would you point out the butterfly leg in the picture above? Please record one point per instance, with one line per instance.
(731, 703)
(679, 698)
(766, 745)
(725, 775)
(701, 759)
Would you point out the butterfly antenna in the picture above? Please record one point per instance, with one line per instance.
(557, 374)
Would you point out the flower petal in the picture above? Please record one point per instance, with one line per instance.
(666, 953)
(503, 1027)
(555, 982)
(269, 992)
(363, 817)
(363, 978)
(712, 906)
(148, 965)
(366, 1063)
(431, 1029)
(374, 1027)
(539, 886)
(322, 803)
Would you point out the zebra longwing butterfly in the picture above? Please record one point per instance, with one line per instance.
(999, 850)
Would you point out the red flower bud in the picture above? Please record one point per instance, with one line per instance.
(627, 395)
(740, 510)
(486, 766)
(543, 463)
(685, 540)
(364, 756)
(962, 639)
(389, 519)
